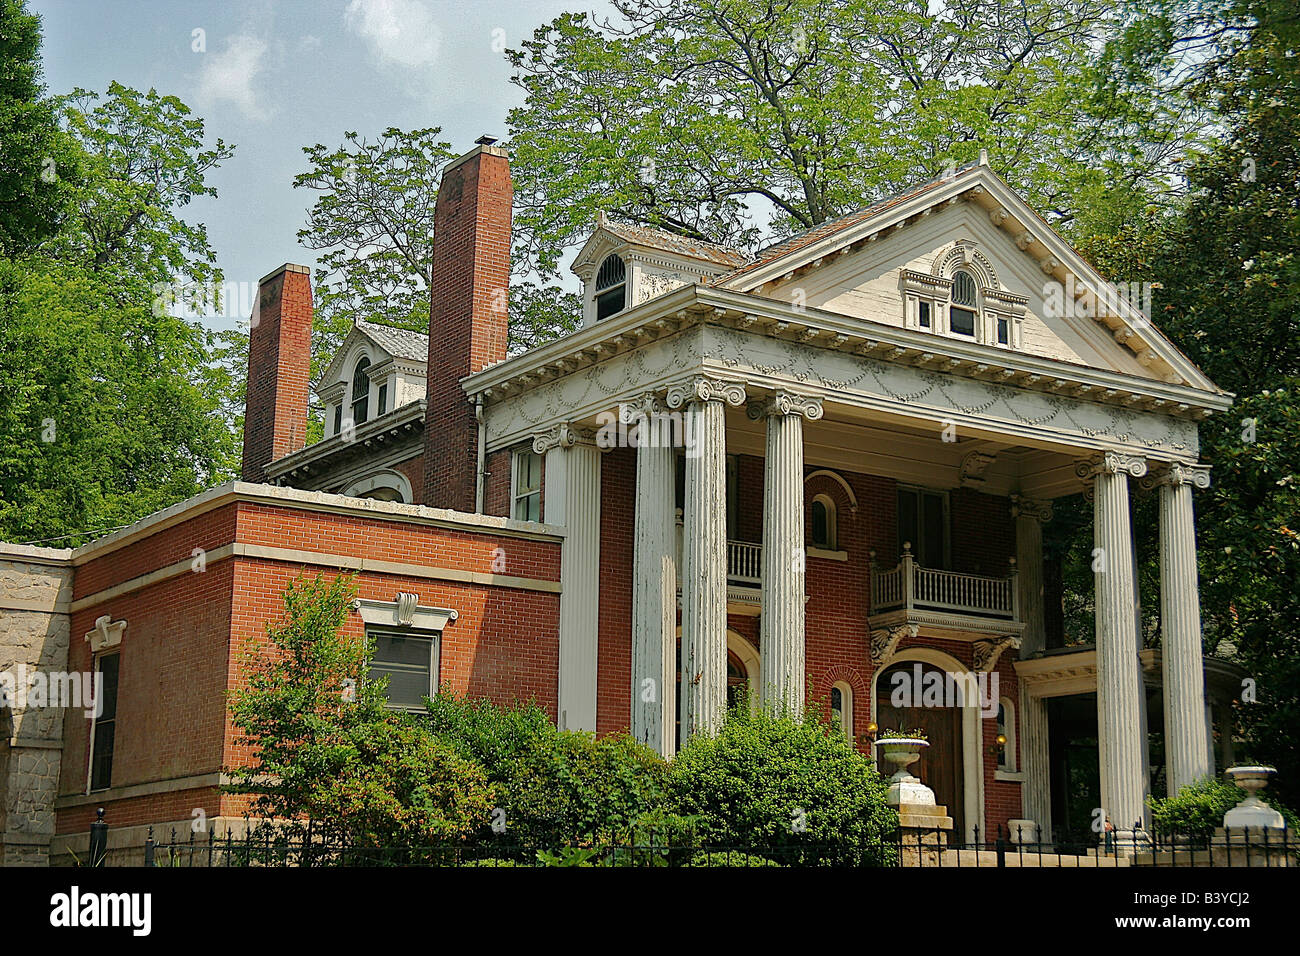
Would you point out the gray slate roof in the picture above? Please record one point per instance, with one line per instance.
(400, 343)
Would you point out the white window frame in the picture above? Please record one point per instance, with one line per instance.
(516, 494)
(832, 542)
(373, 633)
(846, 707)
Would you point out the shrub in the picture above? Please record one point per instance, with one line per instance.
(556, 787)
(785, 788)
(1197, 809)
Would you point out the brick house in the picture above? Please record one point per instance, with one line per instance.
(799, 472)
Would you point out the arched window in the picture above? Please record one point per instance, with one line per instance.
(965, 303)
(361, 392)
(842, 707)
(825, 530)
(611, 287)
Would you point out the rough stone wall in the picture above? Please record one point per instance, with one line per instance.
(35, 589)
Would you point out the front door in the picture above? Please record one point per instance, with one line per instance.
(940, 766)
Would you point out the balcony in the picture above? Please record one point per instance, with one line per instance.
(944, 603)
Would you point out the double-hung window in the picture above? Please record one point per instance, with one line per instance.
(526, 486)
(409, 659)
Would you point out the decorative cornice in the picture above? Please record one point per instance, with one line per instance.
(404, 611)
(782, 402)
(1110, 463)
(703, 388)
(987, 652)
(1178, 473)
(885, 641)
(1039, 510)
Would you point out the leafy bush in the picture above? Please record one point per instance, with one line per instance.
(734, 859)
(1197, 809)
(329, 751)
(793, 785)
(554, 786)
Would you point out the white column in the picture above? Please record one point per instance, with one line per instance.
(1030, 515)
(572, 499)
(654, 584)
(781, 625)
(1036, 792)
(704, 551)
(1180, 628)
(1119, 678)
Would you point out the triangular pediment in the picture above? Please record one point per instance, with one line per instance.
(895, 263)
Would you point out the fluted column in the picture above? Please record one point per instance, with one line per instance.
(654, 584)
(1036, 792)
(1030, 515)
(1119, 678)
(781, 626)
(704, 551)
(572, 499)
(1183, 673)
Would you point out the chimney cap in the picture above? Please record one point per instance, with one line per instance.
(485, 140)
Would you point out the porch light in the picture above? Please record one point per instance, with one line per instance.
(999, 745)
(871, 732)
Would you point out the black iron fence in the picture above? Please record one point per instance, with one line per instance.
(274, 844)
(1031, 847)
(271, 846)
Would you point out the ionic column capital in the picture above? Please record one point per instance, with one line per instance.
(705, 388)
(782, 402)
(645, 405)
(1038, 509)
(1110, 463)
(562, 435)
(1178, 473)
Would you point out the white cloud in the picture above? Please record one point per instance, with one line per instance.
(230, 76)
(402, 33)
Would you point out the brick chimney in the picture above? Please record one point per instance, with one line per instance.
(468, 319)
(279, 365)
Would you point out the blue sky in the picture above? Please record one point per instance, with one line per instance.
(271, 77)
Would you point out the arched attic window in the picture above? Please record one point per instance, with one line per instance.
(361, 392)
(611, 287)
(965, 304)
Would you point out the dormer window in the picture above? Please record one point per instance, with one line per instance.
(361, 392)
(965, 304)
(611, 287)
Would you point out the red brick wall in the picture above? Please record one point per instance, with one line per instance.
(467, 323)
(279, 363)
(983, 533)
(413, 469)
(614, 654)
(185, 635)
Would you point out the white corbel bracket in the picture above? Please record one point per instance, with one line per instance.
(107, 633)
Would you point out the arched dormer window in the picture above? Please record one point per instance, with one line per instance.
(825, 531)
(965, 304)
(361, 392)
(611, 287)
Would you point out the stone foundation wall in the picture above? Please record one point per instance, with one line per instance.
(35, 591)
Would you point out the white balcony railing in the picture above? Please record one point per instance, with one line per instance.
(744, 560)
(908, 586)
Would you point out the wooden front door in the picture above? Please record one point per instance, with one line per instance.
(940, 766)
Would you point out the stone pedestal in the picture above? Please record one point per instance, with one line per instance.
(923, 833)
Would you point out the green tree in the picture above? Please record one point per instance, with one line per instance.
(35, 168)
(111, 403)
(731, 120)
(328, 750)
(373, 219)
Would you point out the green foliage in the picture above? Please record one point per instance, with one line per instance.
(731, 859)
(554, 786)
(777, 781)
(110, 408)
(329, 750)
(1197, 809)
(703, 117)
(35, 171)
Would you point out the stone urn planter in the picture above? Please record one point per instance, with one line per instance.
(1252, 811)
(904, 788)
